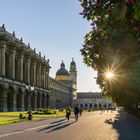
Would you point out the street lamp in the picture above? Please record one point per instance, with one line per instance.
(29, 87)
(32, 88)
(29, 96)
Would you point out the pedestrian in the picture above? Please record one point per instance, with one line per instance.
(30, 116)
(76, 112)
(80, 111)
(68, 112)
(20, 116)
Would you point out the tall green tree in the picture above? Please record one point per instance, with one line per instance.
(113, 44)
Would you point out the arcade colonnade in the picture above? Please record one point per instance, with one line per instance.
(20, 69)
(92, 100)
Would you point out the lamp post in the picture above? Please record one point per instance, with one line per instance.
(28, 104)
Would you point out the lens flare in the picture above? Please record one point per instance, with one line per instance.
(109, 74)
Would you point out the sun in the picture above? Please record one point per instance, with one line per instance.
(109, 74)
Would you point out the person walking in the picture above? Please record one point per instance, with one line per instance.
(80, 111)
(76, 112)
(68, 112)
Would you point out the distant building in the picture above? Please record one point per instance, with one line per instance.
(92, 100)
(63, 87)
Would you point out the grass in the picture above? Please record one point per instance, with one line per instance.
(57, 114)
(12, 117)
(10, 120)
(13, 114)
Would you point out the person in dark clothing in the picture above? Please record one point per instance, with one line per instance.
(68, 112)
(30, 116)
(76, 112)
(20, 116)
(80, 111)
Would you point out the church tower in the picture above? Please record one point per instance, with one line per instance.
(62, 74)
(73, 73)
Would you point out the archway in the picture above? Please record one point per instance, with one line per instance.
(11, 101)
(43, 101)
(81, 106)
(19, 100)
(34, 101)
(95, 106)
(90, 106)
(86, 106)
(1, 98)
(58, 104)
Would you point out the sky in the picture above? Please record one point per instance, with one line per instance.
(54, 28)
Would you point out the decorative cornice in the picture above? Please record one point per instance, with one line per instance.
(11, 40)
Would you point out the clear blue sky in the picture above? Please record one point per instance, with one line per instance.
(53, 27)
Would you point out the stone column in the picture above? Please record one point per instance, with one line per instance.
(34, 101)
(47, 80)
(12, 63)
(22, 100)
(3, 101)
(34, 73)
(39, 75)
(28, 60)
(44, 77)
(39, 100)
(20, 74)
(44, 101)
(12, 98)
(2, 58)
(31, 73)
(47, 101)
(29, 100)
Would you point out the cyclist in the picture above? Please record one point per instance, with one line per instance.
(76, 111)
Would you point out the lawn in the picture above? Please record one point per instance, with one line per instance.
(12, 117)
(4, 120)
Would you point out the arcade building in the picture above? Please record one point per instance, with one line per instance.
(92, 100)
(25, 83)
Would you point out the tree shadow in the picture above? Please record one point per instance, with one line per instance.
(58, 121)
(40, 120)
(127, 126)
(51, 126)
(60, 127)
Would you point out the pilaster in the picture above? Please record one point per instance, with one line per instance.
(43, 76)
(2, 58)
(12, 63)
(39, 75)
(34, 101)
(28, 60)
(20, 74)
(34, 72)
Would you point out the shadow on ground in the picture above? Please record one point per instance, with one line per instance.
(57, 125)
(127, 126)
(58, 121)
(60, 127)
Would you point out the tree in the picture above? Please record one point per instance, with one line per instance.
(113, 44)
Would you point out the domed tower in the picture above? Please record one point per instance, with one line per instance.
(62, 73)
(73, 73)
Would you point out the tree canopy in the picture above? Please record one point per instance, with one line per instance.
(113, 44)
